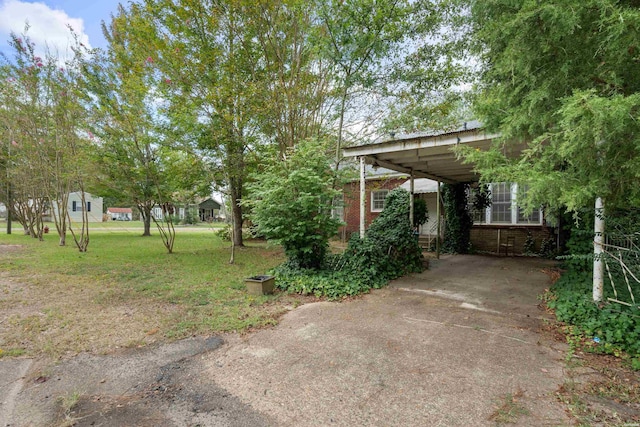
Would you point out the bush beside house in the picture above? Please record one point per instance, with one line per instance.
(387, 251)
(609, 328)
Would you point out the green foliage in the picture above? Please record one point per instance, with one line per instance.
(457, 236)
(548, 248)
(573, 98)
(529, 247)
(420, 212)
(291, 203)
(389, 245)
(190, 216)
(616, 326)
(481, 197)
(388, 251)
(224, 233)
(333, 284)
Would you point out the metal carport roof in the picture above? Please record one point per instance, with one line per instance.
(427, 155)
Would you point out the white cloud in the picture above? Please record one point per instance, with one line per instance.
(47, 27)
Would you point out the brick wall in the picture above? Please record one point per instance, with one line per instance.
(352, 203)
(484, 238)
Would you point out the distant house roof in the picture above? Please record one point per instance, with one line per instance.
(119, 210)
(209, 204)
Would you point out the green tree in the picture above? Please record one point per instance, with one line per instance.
(295, 80)
(121, 98)
(559, 80)
(291, 203)
(43, 120)
(358, 37)
(206, 52)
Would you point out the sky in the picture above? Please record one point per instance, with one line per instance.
(48, 21)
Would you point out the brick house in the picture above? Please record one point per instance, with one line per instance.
(500, 228)
(379, 182)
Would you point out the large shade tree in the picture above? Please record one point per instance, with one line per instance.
(561, 78)
(207, 53)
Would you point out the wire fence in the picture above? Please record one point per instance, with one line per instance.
(621, 254)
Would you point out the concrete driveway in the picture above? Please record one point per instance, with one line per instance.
(458, 345)
(508, 285)
(455, 346)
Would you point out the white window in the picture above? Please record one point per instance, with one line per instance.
(478, 216)
(534, 217)
(504, 209)
(377, 200)
(501, 202)
(156, 212)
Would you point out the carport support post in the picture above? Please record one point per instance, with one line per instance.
(439, 222)
(598, 261)
(411, 200)
(362, 196)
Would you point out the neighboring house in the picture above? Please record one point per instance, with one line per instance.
(120, 214)
(93, 205)
(209, 210)
(157, 213)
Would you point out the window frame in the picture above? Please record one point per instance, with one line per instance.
(514, 209)
(374, 200)
(507, 204)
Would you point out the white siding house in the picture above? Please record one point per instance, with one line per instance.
(93, 206)
(120, 214)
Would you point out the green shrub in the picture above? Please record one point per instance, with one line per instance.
(616, 326)
(224, 233)
(291, 203)
(388, 250)
(420, 212)
(529, 247)
(190, 216)
(457, 234)
(333, 284)
(389, 246)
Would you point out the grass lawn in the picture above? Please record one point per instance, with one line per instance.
(127, 291)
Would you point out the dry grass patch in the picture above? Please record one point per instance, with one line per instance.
(509, 409)
(126, 291)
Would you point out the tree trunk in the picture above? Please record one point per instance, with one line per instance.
(145, 214)
(146, 219)
(236, 212)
